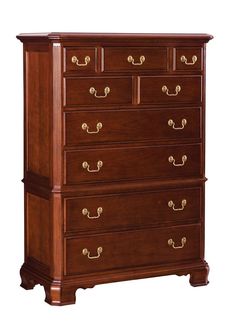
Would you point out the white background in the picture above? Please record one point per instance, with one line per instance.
(166, 300)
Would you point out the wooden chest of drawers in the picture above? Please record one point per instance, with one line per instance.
(114, 159)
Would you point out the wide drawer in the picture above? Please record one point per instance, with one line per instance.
(169, 90)
(90, 213)
(135, 58)
(126, 125)
(80, 59)
(113, 164)
(96, 253)
(97, 91)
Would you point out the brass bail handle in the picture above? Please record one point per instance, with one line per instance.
(171, 123)
(166, 90)
(86, 252)
(93, 91)
(86, 166)
(185, 60)
(75, 60)
(86, 212)
(172, 205)
(172, 160)
(171, 243)
(86, 127)
(131, 60)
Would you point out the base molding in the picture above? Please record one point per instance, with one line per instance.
(62, 292)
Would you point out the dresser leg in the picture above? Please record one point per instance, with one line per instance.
(199, 276)
(27, 281)
(58, 295)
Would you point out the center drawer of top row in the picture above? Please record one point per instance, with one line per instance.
(131, 59)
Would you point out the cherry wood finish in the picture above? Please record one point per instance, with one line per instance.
(137, 125)
(132, 163)
(132, 210)
(117, 58)
(151, 90)
(137, 181)
(77, 91)
(81, 65)
(149, 247)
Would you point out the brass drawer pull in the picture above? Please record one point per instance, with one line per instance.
(86, 252)
(172, 205)
(75, 60)
(185, 60)
(172, 160)
(171, 243)
(86, 166)
(166, 90)
(86, 127)
(131, 59)
(171, 123)
(86, 212)
(93, 91)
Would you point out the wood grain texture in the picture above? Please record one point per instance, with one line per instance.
(132, 210)
(136, 182)
(132, 163)
(137, 125)
(37, 108)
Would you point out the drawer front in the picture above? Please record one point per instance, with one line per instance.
(112, 164)
(188, 59)
(149, 247)
(170, 90)
(127, 210)
(135, 58)
(98, 91)
(138, 125)
(80, 59)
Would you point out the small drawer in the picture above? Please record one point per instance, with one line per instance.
(149, 247)
(188, 59)
(80, 59)
(135, 58)
(97, 91)
(170, 90)
(127, 163)
(94, 213)
(136, 125)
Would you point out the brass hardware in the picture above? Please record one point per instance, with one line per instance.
(172, 160)
(131, 59)
(171, 243)
(86, 127)
(93, 91)
(75, 60)
(85, 211)
(86, 252)
(85, 165)
(171, 123)
(166, 90)
(185, 60)
(172, 205)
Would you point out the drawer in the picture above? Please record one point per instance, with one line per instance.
(126, 125)
(78, 59)
(188, 59)
(97, 91)
(113, 164)
(170, 90)
(90, 213)
(135, 58)
(111, 251)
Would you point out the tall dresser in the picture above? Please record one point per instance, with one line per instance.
(114, 142)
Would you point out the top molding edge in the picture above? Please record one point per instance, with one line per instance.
(112, 37)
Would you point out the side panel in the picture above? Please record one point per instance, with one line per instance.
(37, 106)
